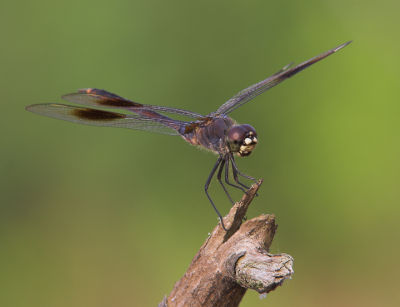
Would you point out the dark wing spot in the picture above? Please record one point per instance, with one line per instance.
(150, 113)
(109, 99)
(119, 103)
(189, 128)
(93, 114)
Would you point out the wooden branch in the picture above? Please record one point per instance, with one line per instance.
(231, 262)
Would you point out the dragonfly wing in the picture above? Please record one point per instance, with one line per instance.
(95, 117)
(249, 93)
(101, 98)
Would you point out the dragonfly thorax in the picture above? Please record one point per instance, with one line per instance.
(242, 139)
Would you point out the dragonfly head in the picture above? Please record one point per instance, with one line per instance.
(242, 139)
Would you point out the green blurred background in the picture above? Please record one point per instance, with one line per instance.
(112, 217)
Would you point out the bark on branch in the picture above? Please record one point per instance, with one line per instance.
(229, 263)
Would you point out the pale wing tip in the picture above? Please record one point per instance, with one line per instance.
(342, 46)
(39, 108)
(32, 108)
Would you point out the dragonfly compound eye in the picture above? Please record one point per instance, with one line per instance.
(242, 139)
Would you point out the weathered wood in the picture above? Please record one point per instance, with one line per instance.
(229, 263)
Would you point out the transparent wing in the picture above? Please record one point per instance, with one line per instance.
(249, 93)
(95, 117)
(101, 98)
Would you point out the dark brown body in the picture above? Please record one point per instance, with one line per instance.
(209, 134)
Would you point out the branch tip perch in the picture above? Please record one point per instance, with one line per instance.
(230, 262)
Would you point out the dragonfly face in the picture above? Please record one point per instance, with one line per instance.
(216, 131)
(242, 139)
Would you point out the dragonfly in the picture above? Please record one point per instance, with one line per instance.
(216, 131)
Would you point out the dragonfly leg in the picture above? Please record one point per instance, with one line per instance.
(206, 191)
(240, 173)
(221, 168)
(236, 178)
(227, 177)
(236, 171)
